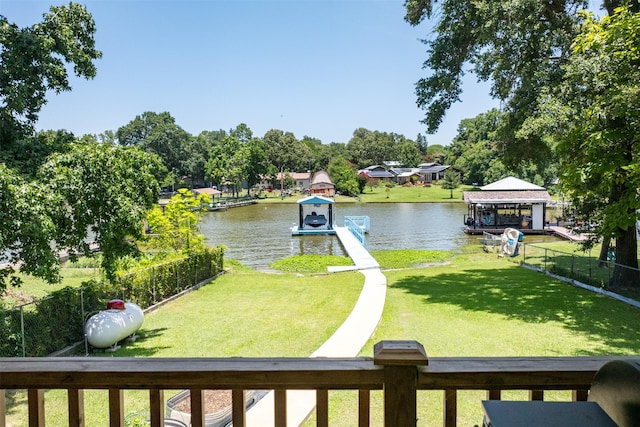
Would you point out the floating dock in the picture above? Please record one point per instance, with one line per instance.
(568, 234)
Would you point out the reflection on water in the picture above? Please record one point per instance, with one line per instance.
(259, 234)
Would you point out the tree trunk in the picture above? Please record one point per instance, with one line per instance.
(625, 272)
(604, 252)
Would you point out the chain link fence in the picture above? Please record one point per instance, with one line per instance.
(584, 269)
(50, 324)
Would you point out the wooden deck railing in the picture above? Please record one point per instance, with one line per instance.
(398, 367)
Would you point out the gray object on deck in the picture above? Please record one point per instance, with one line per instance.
(616, 388)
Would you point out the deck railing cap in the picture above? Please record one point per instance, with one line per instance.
(399, 353)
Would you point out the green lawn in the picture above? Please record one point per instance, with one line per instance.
(34, 288)
(483, 306)
(416, 193)
(472, 305)
(396, 194)
(242, 313)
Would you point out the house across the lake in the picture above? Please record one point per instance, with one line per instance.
(508, 203)
(425, 173)
(321, 185)
(301, 181)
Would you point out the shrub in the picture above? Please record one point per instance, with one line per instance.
(57, 321)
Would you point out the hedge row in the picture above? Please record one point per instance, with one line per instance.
(50, 324)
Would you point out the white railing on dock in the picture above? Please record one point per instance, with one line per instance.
(358, 225)
(361, 221)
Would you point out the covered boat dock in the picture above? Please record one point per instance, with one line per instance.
(508, 203)
(315, 216)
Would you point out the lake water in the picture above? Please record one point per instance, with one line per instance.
(259, 234)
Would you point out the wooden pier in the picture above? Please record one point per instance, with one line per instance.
(567, 233)
(239, 202)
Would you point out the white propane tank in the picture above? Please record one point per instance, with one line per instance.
(114, 324)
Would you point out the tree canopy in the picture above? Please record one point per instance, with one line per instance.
(596, 123)
(35, 59)
(60, 193)
(568, 85)
(518, 45)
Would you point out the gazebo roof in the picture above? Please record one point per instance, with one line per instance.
(508, 190)
(489, 197)
(207, 190)
(511, 183)
(315, 200)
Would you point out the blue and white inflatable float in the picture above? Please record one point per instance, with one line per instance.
(510, 239)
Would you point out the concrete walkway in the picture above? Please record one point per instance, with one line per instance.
(347, 341)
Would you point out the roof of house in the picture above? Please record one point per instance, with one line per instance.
(428, 165)
(511, 183)
(407, 174)
(398, 171)
(435, 168)
(374, 167)
(321, 177)
(295, 175)
(378, 174)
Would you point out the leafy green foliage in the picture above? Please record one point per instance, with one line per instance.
(102, 188)
(27, 154)
(27, 229)
(368, 148)
(56, 190)
(158, 134)
(36, 59)
(518, 45)
(344, 176)
(595, 122)
(450, 182)
(284, 152)
(174, 226)
(57, 321)
(309, 263)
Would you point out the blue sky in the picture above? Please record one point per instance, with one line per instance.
(320, 68)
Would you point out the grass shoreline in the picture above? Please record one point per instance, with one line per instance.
(397, 194)
(471, 305)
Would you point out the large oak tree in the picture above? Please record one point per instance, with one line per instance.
(58, 193)
(594, 113)
(523, 47)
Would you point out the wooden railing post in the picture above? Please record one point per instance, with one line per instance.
(35, 397)
(196, 396)
(116, 407)
(3, 407)
(400, 360)
(76, 407)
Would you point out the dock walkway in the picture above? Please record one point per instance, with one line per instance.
(568, 234)
(362, 259)
(347, 341)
